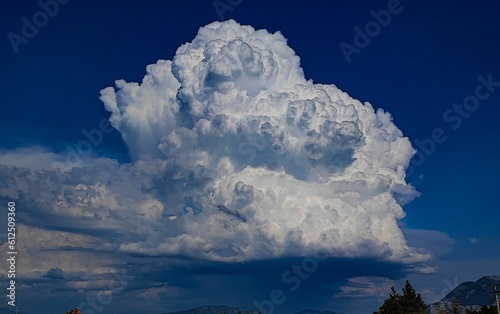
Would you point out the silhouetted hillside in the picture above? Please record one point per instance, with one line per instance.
(470, 294)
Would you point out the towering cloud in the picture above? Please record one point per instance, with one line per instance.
(248, 160)
(236, 157)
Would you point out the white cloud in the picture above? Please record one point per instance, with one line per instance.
(40, 251)
(473, 240)
(30, 158)
(236, 157)
(366, 287)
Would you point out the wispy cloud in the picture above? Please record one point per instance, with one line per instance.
(366, 287)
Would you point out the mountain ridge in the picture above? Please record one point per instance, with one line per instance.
(469, 294)
(218, 309)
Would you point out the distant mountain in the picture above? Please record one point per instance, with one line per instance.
(232, 310)
(218, 309)
(470, 294)
(309, 311)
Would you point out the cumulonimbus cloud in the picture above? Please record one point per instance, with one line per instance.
(236, 157)
(257, 161)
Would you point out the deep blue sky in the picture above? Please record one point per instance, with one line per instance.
(427, 59)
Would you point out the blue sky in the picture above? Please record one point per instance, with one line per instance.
(429, 57)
